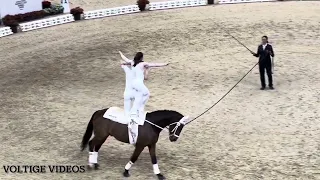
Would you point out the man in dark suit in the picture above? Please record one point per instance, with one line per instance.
(265, 52)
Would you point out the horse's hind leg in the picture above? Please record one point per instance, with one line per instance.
(133, 159)
(94, 146)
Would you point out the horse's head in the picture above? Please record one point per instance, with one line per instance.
(176, 126)
(173, 119)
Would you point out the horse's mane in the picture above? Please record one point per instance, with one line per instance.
(163, 114)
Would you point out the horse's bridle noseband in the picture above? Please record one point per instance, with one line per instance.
(183, 121)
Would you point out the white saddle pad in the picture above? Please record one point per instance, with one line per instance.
(117, 114)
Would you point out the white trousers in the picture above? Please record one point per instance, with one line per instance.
(128, 97)
(141, 97)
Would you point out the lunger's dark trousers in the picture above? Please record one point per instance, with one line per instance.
(268, 68)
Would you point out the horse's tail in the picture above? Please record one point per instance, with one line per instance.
(88, 133)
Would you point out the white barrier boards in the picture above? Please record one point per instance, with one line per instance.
(111, 12)
(242, 1)
(5, 31)
(46, 22)
(176, 4)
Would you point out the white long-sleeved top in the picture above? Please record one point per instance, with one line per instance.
(138, 73)
(140, 70)
(128, 71)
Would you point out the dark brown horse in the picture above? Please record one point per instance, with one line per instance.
(148, 135)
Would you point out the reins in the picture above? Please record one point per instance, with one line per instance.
(223, 95)
(220, 98)
(232, 86)
(156, 125)
(165, 128)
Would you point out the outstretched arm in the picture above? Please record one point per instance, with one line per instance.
(125, 58)
(146, 72)
(156, 64)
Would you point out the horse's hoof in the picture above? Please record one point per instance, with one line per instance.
(93, 166)
(126, 173)
(96, 166)
(161, 177)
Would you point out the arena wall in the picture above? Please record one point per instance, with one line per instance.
(68, 18)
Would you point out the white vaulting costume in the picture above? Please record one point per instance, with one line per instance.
(128, 94)
(142, 93)
(137, 91)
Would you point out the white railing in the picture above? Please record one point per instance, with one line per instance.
(5, 31)
(111, 12)
(46, 22)
(242, 1)
(176, 4)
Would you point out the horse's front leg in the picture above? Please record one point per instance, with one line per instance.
(133, 159)
(156, 170)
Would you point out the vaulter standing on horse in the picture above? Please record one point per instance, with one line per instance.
(140, 70)
(128, 94)
(136, 72)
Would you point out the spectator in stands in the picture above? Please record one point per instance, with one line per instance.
(264, 53)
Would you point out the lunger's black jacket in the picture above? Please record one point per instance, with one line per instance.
(264, 55)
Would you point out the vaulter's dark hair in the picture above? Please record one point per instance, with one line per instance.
(266, 38)
(137, 58)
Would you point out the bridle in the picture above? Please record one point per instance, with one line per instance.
(183, 121)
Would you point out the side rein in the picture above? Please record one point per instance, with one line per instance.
(183, 121)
